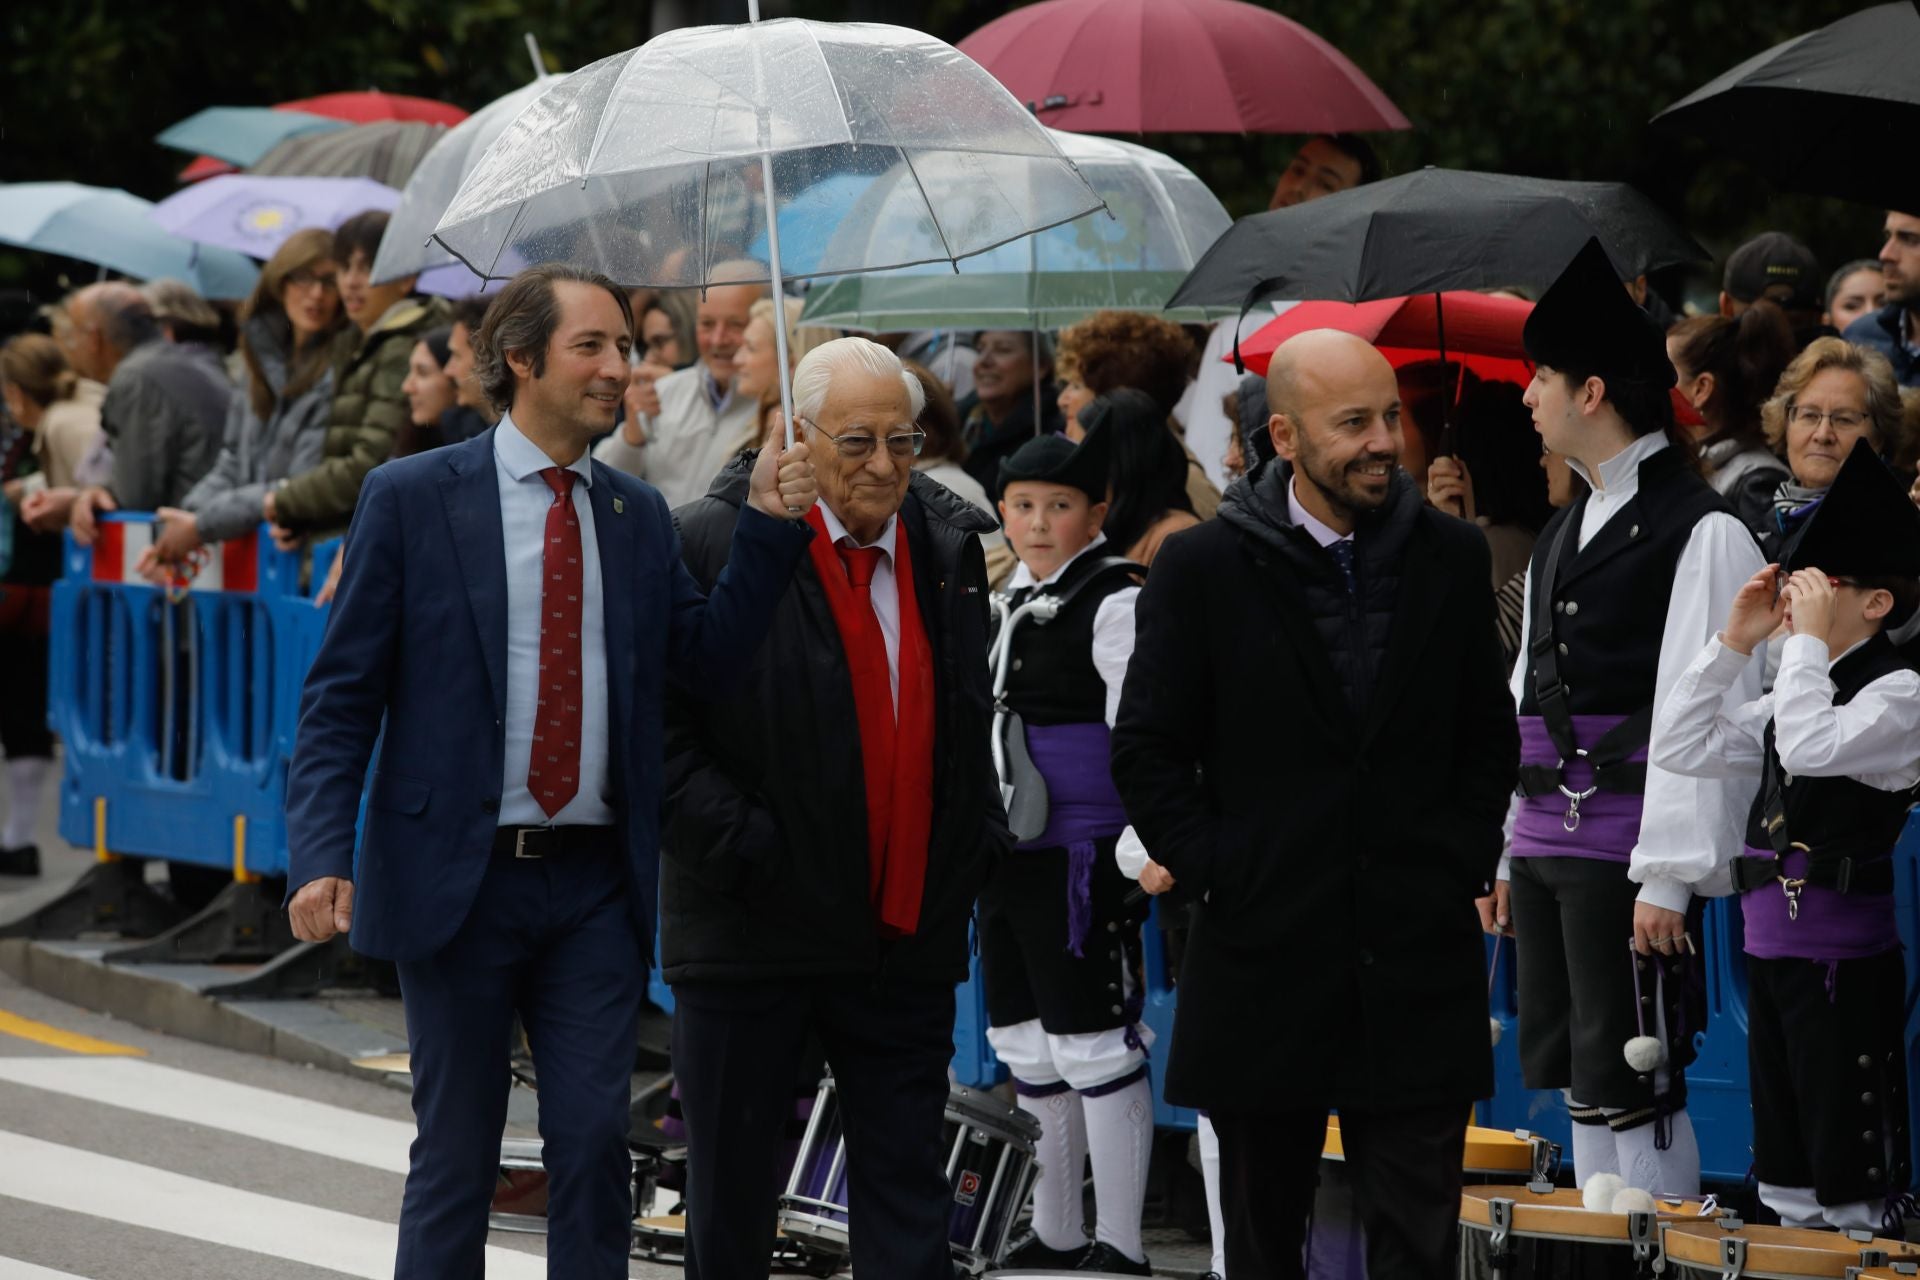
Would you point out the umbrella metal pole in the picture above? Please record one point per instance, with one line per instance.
(773, 251)
(1446, 402)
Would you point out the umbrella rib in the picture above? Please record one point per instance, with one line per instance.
(906, 159)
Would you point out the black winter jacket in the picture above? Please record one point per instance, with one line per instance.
(1336, 958)
(764, 851)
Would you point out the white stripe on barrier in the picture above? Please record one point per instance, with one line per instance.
(172, 1094)
(138, 1196)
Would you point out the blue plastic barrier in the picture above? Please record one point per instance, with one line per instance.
(176, 708)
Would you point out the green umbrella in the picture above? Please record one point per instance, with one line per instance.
(1163, 219)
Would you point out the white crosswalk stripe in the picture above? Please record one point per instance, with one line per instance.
(138, 1195)
(172, 1094)
(12, 1270)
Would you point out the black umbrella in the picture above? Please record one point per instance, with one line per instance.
(1824, 112)
(1429, 231)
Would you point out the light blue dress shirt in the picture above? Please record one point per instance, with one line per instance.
(524, 499)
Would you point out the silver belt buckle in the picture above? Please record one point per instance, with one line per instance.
(520, 844)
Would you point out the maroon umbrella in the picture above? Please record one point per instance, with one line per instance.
(1177, 66)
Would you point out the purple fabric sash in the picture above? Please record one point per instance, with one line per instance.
(1609, 820)
(1830, 926)
(1082, 807)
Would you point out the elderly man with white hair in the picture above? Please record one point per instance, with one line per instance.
(828, 828)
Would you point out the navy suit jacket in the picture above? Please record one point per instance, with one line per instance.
(417, 647)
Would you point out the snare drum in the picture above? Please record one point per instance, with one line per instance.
(520, 1191)
(989, 1168)
(1520, 1233)
(1732, 1250)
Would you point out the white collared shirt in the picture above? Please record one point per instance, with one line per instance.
(884, 590)
(1691, 828)
(1112, 625)
(524, 500)
(1323, 533)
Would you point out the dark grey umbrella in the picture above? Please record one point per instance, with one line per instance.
(1824, 112)
(387, 151)
(1430, 231)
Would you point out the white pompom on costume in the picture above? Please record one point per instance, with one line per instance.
(1646, 1053)
(1633, 1200)
(1600, 1191)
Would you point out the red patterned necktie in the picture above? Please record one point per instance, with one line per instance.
(553, 772)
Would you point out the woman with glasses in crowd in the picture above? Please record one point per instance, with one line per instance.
(277, 422)
(1833, 394)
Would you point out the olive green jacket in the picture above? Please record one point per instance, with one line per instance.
(368, 411)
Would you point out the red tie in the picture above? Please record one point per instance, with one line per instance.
(553, 772)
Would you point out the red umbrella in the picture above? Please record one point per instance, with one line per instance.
(1482, 330)
(1482, 333)
(1177, 66)
(361, 107)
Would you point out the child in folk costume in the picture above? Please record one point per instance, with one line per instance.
(1625, 586)
(1836, 748)
(1059, 944)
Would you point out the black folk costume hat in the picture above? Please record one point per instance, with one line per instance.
(1866, 526)
(1054, 459)
(1587, 322)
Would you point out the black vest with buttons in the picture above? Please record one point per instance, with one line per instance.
(1610, 597)
(1052, 679)
(1837, 816)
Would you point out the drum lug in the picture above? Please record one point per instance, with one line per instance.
(1500, 1217)
(1873, 1257)
(1643, 1234)
(1733, 1258)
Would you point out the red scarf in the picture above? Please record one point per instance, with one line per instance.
(896, 753)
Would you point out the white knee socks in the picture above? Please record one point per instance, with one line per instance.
(1059, 1217)
(1593, 1147)
(1673, 1172)
(26, 779)
(1120, 1140)
(1210, 1175)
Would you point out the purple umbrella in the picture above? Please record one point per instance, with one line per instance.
(255, 214)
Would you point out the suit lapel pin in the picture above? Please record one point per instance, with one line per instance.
(618, 506)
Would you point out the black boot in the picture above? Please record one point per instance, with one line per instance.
(1032, 1255)
(1104, 1258)
(21, 861)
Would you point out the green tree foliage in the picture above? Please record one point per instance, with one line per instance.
(1556, 88)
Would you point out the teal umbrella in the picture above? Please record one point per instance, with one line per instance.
(1163, 219)
(113, 229)
(242, 135)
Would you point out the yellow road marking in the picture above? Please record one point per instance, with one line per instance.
(72, 1041)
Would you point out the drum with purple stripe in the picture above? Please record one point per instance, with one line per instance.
(987, 1150)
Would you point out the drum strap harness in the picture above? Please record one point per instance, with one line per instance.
(1844, 866)
(1612, 769)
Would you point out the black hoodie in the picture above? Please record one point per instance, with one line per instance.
(1354, 626)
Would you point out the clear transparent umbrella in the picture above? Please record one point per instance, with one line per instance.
(1163, 219)
(407, 247)
(659, 166)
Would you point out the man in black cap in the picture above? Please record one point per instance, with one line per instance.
(1832, 751)
(1605, 848)
(1776, 267)
(1059, 944)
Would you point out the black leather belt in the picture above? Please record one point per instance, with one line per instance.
(1843, 874)
(550, 842)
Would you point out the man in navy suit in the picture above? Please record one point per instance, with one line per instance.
(509, 613)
